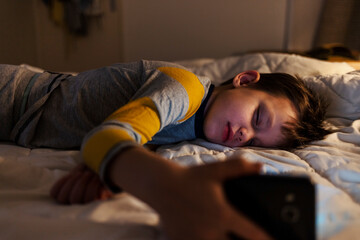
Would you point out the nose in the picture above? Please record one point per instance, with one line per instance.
(243, 135)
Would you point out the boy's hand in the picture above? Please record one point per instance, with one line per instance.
(81, 185)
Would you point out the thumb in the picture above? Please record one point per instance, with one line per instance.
(233, 168)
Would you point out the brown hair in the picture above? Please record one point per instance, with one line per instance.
(310, 106)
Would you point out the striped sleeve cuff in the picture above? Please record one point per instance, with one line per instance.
(103, 170)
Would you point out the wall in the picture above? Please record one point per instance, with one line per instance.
(17, 32)
(60, 51)
(182, 29)
(156, 29)
(302, 23)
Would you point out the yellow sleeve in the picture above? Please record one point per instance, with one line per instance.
(142, 122)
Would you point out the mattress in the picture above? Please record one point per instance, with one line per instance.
(333, 164)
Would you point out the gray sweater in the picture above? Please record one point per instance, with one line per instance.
(103, 109)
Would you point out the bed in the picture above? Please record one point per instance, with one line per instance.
(333, 164)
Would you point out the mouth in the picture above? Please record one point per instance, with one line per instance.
(227, 133)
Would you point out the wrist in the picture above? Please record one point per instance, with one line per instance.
(144, 174)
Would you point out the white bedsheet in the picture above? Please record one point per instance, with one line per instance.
(27, 211)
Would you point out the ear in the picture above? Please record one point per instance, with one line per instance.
(246, 78)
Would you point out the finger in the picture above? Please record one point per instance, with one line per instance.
(92, 189)
(56, 188)
(79, 168)
(245, 165)
(232, 168)
(65, 191)
(104, 193)
(78, 191)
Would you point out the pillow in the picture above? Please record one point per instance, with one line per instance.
(342, 91)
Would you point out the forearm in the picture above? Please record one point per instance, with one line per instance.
(144, 174)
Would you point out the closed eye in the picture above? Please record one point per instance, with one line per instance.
(256, 124)
(257, 117)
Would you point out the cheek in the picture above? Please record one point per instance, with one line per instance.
(212, 128)
(209, 127)
(216, 117)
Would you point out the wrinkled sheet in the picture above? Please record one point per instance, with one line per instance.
(333, 164)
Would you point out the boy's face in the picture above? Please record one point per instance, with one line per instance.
(243, 116)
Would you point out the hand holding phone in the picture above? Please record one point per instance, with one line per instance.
(284, 206)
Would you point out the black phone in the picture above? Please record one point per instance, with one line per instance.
(284, 206)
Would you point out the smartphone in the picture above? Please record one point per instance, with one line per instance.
(284, 206)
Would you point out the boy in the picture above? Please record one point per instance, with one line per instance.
(159, 103)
